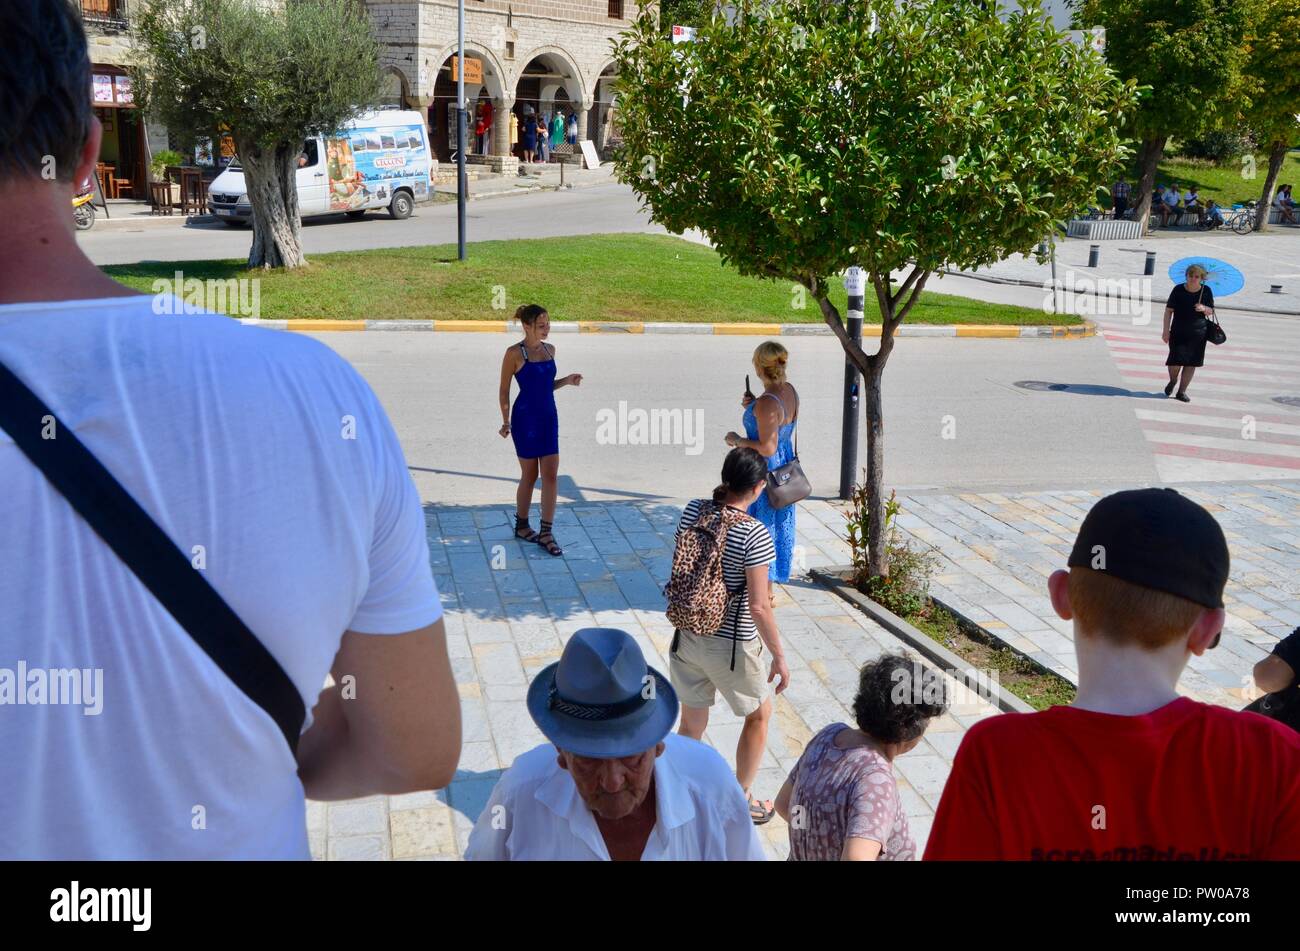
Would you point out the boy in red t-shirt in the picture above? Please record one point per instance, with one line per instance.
(1130, 770)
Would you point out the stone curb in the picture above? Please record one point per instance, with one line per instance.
(949, 662)
(1087, 329)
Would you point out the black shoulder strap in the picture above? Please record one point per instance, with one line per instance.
(154, 558)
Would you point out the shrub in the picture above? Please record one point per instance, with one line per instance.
(906, 589)
(1220, 146)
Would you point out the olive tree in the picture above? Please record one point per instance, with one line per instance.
(272, 75)
(900, 137)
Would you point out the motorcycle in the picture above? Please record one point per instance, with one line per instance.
(83, 212)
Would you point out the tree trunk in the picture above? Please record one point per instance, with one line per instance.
(878, 548)
(273, 192)
(872, 368)
(1276, 156)
(1148, 158)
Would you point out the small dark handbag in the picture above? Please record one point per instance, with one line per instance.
(1213, 330)
(1283, 706)
(788, 484)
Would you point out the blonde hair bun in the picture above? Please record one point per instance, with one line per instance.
(770, 359)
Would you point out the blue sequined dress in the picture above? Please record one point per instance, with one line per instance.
(779, 522)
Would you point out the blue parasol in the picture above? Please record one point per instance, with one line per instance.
(1223, 279)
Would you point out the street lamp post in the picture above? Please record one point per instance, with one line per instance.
(855, 283)
(460, 131)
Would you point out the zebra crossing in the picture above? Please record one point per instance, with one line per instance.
(1244, 419)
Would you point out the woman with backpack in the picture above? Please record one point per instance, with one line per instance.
(533, 421)
(770, 420)
(722, 635)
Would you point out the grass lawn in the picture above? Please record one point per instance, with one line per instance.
(623, 277)
(1223, 183)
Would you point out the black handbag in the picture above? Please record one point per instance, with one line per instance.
(1283, 706)
(788, 484)
(152, 556)
(1213, 330)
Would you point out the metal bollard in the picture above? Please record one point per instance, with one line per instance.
(1094, 253)
(1150, 268)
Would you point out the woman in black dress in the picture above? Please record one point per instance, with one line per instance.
(1190, 306)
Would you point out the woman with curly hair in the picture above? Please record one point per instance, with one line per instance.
(841, 799)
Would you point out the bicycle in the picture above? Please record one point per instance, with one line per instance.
(1243, 219)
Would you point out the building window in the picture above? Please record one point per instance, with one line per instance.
(510, 49)
(616, 9)
(104, 11)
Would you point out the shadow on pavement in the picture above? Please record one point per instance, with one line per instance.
(1088, 389)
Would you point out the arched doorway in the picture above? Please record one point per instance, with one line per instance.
(394, 92)
(600, 129)
(549, 84)
(483, 85)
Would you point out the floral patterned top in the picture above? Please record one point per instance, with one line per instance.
(842, 794)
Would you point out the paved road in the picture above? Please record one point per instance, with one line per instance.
(598, 209)
(441, 392)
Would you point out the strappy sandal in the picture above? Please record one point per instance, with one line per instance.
(759, 812)
(523, 531)
(547, 541)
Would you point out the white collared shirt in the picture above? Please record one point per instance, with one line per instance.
(535, 812)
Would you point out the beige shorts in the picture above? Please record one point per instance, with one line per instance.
(700, 668)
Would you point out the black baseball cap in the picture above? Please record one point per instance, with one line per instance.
(1158, 539)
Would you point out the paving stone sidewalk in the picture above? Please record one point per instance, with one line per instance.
(996, 551)
(509, 609)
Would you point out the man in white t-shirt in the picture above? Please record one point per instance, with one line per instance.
(265, 458)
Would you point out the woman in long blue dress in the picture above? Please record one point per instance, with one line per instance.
(533, 421)
(770, 420)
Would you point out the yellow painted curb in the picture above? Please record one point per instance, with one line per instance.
(773, 330)
(319, 325)
(470, 326)
(986, 330)
(607, 326)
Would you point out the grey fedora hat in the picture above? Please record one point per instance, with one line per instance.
(601, 699)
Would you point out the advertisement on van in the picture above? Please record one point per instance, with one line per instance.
(365, 165)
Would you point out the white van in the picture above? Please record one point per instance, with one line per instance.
(378, 160)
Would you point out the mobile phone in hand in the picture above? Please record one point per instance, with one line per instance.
(748, 391)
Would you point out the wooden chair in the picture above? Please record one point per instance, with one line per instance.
(191, 181)
(160, 198)
(104, 172)
(122, 184)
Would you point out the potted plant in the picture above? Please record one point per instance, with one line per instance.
(158, 170)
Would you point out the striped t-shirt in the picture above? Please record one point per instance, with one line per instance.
(748, 546)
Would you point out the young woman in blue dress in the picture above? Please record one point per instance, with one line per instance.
(770, 420)
(533, 421)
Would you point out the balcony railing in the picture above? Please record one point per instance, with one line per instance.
(109, 12)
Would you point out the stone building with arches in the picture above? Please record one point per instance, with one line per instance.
(538, 55)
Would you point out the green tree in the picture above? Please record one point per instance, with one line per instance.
(812, 137)
(273, 75)
(1273, 89)
(1190, 53)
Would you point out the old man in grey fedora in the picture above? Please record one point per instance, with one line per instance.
(614, 782)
